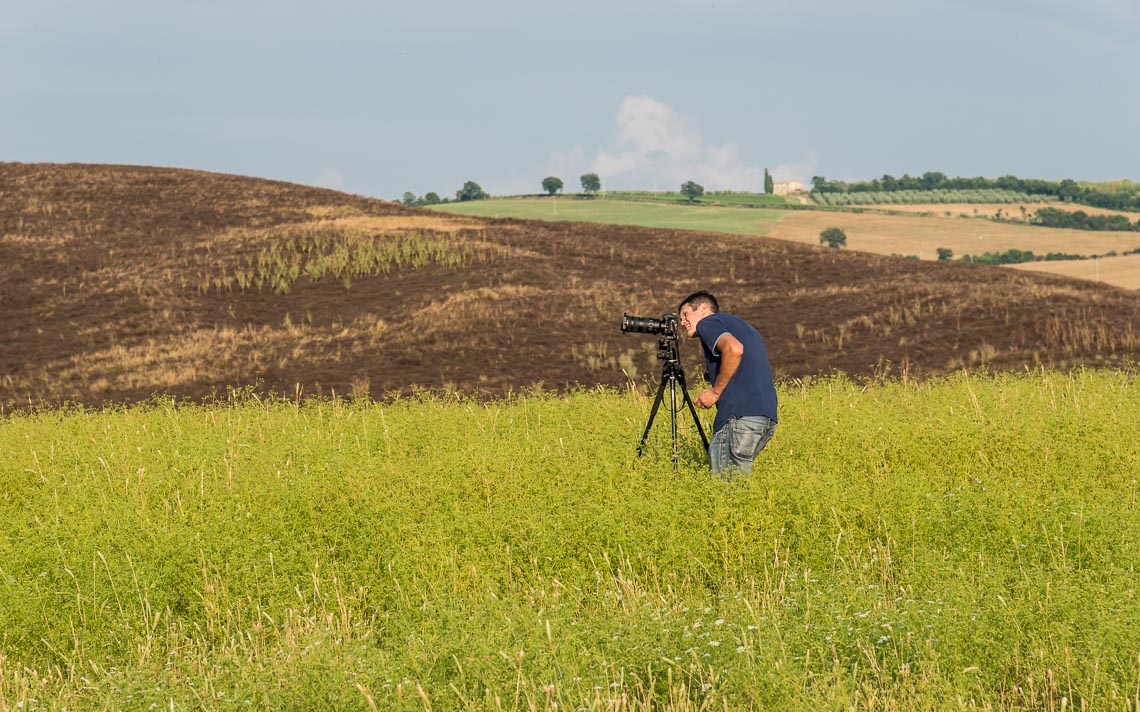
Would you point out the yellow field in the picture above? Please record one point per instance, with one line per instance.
(903, 234)
(990, 209)
(1122, 271)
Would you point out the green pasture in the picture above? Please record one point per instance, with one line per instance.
(967, 543)
(747, 221)
(726, 197)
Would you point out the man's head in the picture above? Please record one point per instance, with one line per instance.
(695, 307)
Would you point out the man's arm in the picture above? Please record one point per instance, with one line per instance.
(731, 351)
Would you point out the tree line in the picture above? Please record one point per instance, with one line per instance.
(1014, 256)
(1080, 220)
(591, 184)
(470, 191)
(1122, 197)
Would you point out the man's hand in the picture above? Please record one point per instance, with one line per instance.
(706, 398)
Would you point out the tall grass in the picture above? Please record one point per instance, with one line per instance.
(344, 254)
(972, 542)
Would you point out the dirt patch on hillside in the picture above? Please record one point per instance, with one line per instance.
(120, 282)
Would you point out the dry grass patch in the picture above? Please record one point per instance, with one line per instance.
(476, 306)
(1121, 271)
(903, 234)
(436, 221)
(989, 210)
(178, 364)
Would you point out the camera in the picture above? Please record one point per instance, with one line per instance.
(666, 325)
(667, 330)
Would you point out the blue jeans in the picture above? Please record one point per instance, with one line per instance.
(738, 442)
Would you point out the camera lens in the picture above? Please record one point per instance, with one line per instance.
(641, 324)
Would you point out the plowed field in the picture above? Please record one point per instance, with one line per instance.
(119, 282)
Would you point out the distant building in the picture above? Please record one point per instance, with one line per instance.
(787, 187)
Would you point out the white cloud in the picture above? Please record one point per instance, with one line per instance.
(654, 143)
(655, 146)
(646, 127)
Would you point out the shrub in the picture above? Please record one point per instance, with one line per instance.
(833, 237)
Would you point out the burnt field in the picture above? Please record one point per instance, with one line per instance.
(120, 282)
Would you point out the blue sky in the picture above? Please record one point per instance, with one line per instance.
(379, 98)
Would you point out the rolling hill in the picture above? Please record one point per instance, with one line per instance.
(118, 282)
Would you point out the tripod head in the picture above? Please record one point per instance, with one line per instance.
(668, 350)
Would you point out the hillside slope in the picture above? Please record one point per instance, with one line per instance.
(117, 282)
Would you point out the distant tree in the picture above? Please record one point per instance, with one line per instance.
(409, 198)
(1068, 190)
(692, 190)
(945, 253)
(431, 199)
(932, 180)
(591, 183)
(470, 191)
(833, 237)
(769, 184)
(551, 184)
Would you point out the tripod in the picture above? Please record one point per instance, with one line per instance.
(672, 374)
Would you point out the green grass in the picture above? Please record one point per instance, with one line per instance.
(728, 197)
(747, 221)
(967, 543)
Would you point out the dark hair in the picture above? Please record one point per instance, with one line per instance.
(696, 299)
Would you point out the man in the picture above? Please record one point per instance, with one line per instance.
(741, 377)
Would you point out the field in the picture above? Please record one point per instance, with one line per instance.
(887, 234)
(1122, 270)
(991, 209)
(118, 282)
(743, 221)
(336, 453)
(907, 235)
(708, 198)
(966, 543)
(918, 235)
(924, 197)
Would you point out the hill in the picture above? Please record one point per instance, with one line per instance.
(117, 282)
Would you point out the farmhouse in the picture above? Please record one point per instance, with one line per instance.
(787, 187)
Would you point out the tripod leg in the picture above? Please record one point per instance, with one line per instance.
(652, 414)
(673, 415)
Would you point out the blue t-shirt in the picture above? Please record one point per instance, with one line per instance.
(751, 390)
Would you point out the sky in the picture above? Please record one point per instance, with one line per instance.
(378, 98)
